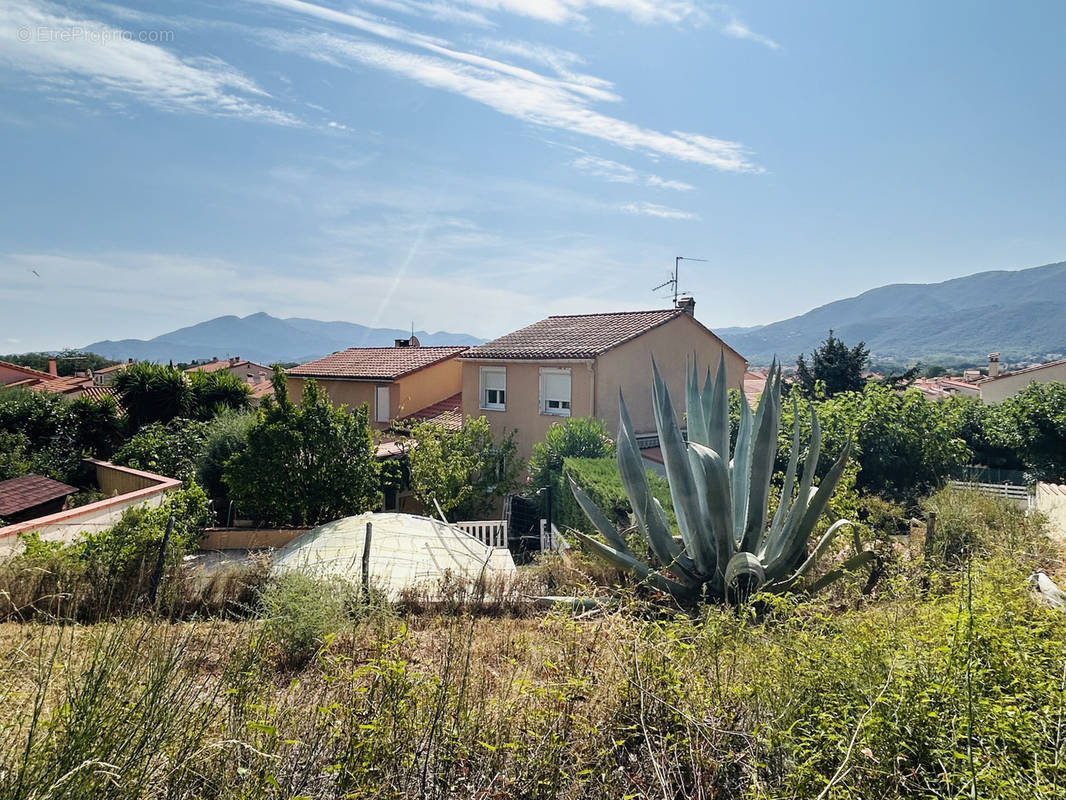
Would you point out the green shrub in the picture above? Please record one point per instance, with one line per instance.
(300, 612)
(169, 448)
(227, 435)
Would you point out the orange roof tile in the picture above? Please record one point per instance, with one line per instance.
(30, 371)
(574, 336)
(447, 413)
(375, 363)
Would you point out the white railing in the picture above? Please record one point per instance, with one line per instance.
(491, 532)
(1020, 494)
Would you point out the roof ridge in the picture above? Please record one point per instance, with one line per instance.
(618, 313)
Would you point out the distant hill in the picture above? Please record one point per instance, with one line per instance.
(1021, 314)
(265, 339)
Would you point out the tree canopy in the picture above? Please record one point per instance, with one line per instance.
(466, 471)
(834, 368)
(306, 463)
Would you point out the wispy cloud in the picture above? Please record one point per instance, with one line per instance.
(79, 58)
(738, 30)
(560, 11)
(553, 102)
(656, 210)
(615, 172)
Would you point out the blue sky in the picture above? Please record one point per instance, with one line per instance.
(475, 165)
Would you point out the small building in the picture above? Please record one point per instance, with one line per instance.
(249, 372)
(32, 496)
(576, 365)
(999, 386)
(105, 376)
(394, 382)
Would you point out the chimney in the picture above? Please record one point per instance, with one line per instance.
(53, 370)
(993, 365)
(687, 304)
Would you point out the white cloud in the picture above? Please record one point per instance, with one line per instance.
(738, 30)
(80, 58)
(558, 103)
(621, 173)
(560, 11)
(656, 210)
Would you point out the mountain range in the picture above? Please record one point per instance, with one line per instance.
(1020, 314)
(264, 339)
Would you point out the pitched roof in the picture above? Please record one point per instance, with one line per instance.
(448, 413)
(574, 336)
(1034, 368)
(112, 368)
(69, 384)
(30, 371)
(226, 363)
(375, 363)
(19, 494)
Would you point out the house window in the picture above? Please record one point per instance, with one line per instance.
(494, 388)
(555, 391)
(381, 404)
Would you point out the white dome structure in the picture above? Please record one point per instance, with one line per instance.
(406, 551)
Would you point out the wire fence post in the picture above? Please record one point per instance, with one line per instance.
(366, 560)
(157, 573)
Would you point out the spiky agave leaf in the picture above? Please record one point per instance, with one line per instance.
(691, 521)
(645, 573)
(650, 518)
(763, 455)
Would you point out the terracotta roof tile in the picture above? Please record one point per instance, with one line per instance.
(225, 363)
(33, 373)
(577, 336)
(447, 413)
(375, 363)
(1034, 368)
(19, 494)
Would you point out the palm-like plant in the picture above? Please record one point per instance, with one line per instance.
(727, 550)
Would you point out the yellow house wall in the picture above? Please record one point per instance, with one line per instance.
(1010, 385)
(406, 395)
(414, 392)
(523, 398)
(628, 368)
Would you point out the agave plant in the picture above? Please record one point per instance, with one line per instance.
(727, 549)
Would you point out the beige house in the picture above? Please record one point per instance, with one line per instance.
(567, 366)
(998, 387)
(249, 372)
(395, 382)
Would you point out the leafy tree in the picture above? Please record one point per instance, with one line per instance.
(833, 365)
(1032, 424)
(166, 448)
(47, 434)
(305, 464)
(227, 435)
(466, 471)
(153, 393)
(577, 437)
(214, 392)
(905, 445)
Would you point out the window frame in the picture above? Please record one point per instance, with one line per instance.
(483, 390)
(543, 400)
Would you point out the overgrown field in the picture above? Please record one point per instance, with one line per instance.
(948, 681)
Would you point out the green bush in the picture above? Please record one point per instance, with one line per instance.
(226, 435)
(104, 573)
(305, 464)
(300, 612)
(171, 448)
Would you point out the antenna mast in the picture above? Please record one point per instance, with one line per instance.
(673, 278)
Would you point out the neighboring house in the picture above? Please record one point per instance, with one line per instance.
(17, 375)
(394, 382)
(249, 372)
(106, 375)
(999, 386)
(575, 366)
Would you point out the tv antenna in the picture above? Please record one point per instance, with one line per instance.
(673, 278)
